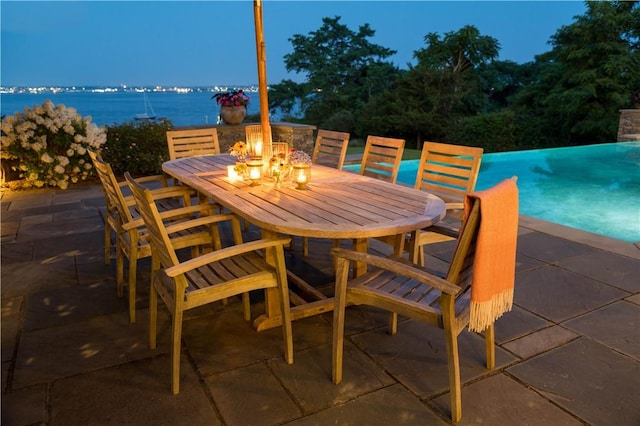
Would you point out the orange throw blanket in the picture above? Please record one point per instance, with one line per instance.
(495, 260)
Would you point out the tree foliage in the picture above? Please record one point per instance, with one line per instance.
(458, 92)
(588, 76)
(343, 69)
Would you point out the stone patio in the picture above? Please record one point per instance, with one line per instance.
(568, 353)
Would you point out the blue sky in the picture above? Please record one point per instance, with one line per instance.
(209, 43)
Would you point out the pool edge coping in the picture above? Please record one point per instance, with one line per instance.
(598, 241)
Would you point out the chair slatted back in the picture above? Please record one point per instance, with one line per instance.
(159, 238)
(330, 148)
(192, 142)
(111, 188)
(382, 157)
(461, 266)
(448, 171)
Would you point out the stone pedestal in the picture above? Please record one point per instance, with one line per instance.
(629, 125)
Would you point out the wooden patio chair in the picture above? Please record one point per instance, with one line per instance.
(330, 148)
(450, 172)
(123, 219)
(111, 222)
(111, 210)
(192, 142)
(210, 277)
(402, 287)
(382, 157)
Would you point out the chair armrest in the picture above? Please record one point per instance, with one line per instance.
(199, 221)
(146, 179)
(164, 192)
(224, 253)
(403, 267)
(176, 213)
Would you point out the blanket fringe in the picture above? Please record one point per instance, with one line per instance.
(483, 314)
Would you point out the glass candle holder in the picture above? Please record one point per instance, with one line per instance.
(233, 174)
(255, 172)
(301, 175)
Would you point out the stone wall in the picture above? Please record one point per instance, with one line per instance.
(298, 136)
(629, 125)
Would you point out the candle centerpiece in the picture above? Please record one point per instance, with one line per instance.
(255, 171)
(301, 169)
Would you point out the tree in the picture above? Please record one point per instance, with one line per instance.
(342, 67)
(443, 86)
(588, 76)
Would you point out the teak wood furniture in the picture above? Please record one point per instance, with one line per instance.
(330, 148)
(122, 217)
(337, 205)
(447, 302)
(192, 142)
(450, 172)
(213, 276)
(382, 157)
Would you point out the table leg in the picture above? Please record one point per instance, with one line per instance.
(271, 318)
(361, 245)
(271, 298)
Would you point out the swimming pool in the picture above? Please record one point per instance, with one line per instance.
(595, 188)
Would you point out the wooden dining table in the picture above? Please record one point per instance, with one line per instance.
(337, 205)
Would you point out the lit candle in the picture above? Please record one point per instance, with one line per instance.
(232, 174)
(254, 174)
(302, 177)
(259, 149)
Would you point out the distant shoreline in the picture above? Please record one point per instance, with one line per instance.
(123, 88)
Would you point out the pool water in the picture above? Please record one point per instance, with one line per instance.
(595, 188)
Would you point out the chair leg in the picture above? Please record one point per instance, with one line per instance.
(153, 315)
(489, 341)
(107, 243)
(285, 309)
(119, 269)
(133, 269)
(176, 336)
(393, 323)
(342, 273)
(453, 363)
(246, 306)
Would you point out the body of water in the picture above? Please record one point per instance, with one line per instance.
(595, 188)
(107, 108)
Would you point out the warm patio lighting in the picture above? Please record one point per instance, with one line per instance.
(255, 172)
(301, 175)
(232, 174)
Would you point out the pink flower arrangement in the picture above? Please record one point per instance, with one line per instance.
(235, 98)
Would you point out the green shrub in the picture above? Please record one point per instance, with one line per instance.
(495, 132)
(47, 146)
(341, 121)
(137, 148)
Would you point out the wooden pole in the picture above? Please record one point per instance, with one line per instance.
(262, 76)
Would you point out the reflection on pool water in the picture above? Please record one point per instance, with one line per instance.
(595, 188)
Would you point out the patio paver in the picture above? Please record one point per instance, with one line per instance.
(568, 353)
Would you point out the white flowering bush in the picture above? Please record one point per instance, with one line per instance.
(47, 145)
